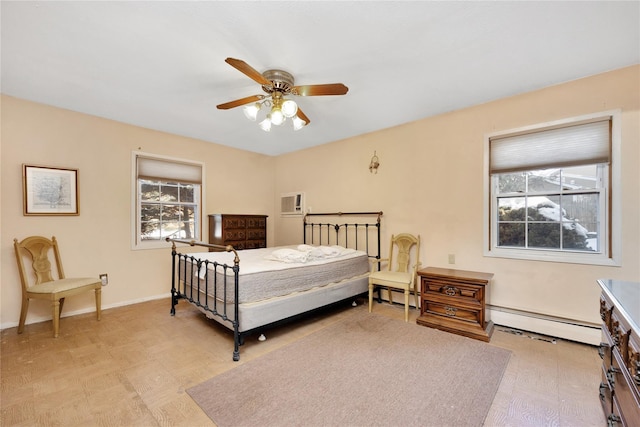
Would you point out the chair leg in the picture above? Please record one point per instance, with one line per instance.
(56, 316)
(390, 296)
(415, 292)
(98, 302)
(23, 314)
(406, 305)
(370, 296)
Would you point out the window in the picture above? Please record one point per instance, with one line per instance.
(168, 200)
(550, 192)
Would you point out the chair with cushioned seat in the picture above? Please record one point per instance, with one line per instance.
(42, 285)
(402, 275)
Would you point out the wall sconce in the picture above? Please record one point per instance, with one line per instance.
(373, 166)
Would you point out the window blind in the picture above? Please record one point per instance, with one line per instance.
(167, 170)
(573, 145)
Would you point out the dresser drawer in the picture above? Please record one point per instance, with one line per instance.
(234, 222)
(230, 235)
(254, 234)
(254, 244)
(256, 222)
(625, 392)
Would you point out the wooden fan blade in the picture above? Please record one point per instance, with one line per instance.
(247, 69)
(318, 90)
(239, 102)
(303, 116)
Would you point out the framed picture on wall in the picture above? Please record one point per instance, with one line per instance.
(50, 190)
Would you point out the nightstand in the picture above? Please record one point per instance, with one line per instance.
(454, 301)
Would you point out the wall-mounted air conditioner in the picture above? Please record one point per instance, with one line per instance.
(292, 204)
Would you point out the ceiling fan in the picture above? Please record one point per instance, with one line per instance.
(278, 85)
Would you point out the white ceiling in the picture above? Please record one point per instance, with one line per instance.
(160, 65)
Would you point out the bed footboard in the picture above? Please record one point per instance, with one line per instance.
(186, 272)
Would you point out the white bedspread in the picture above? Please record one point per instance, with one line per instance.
(271, 272)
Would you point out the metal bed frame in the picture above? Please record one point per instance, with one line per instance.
(186, 266)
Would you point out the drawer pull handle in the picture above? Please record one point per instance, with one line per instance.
(611, 375)
(451, 290)
(451, 311)
(603, 387)
(601, 349)
(613, 420)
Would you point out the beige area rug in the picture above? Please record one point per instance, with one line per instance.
(368, 370)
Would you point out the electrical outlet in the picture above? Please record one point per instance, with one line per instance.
(452, 259)
(104, 278)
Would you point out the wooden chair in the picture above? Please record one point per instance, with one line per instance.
(401, 275)
(43, 285)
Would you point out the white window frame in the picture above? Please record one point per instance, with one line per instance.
(610, 203)
(136, 242)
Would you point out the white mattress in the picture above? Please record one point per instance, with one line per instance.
(262, 277)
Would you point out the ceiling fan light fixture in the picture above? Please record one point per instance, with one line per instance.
(289, 108)
(298, 123)
(265, 125)
(278, 85)
(251, 111)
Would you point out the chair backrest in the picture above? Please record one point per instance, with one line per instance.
(38, 248)
(403, 243)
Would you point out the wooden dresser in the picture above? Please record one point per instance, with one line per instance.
(239, 231)
(454, 301)
(620, 352)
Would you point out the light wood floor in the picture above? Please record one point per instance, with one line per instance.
(132, 369)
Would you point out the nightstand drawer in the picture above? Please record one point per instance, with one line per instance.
(452, 289)
(452, 311)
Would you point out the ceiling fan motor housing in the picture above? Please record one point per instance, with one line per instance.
(281, 81)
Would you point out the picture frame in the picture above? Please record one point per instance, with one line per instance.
(49, 190)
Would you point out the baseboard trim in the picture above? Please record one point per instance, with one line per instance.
(90, 309)
(574, 330)
(398, 297)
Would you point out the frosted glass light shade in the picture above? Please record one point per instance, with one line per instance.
(277, 118)
(251, 111)
(289, 108)
(298, 123)
(265, 125)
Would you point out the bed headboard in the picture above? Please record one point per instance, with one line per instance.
(357, 230)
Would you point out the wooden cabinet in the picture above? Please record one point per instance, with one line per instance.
(620, 352)
(239, 231)
(454, 301)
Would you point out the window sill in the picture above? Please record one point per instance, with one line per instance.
(549, 256)
(151, 244)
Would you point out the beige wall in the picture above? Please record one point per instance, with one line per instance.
(99, 239)
(430, 182)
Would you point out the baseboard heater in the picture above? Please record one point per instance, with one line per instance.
(552, 326)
